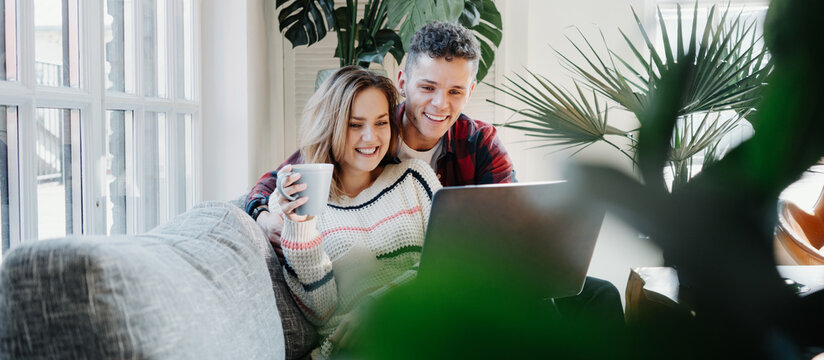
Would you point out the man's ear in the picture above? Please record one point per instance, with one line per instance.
(471, 89)
(401, 81)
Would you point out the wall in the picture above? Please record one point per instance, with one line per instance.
(235, 90)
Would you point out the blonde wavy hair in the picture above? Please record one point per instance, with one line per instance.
(326, 116)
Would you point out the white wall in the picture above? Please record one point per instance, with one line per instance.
(235, 96)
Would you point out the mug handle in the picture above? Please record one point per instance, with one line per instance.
(281, 179)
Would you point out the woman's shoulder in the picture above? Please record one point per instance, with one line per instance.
(418, 169)
(410, 165)
(414, 164)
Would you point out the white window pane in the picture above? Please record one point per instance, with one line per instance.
(152, 170)
(184, 65)
(8, 40)
(7, 115)
(181, 162)
(154, 47)
(190, 160)
(119, 39)
(162, 168)
(749, 13)
(54, 172)
(115, 183)
(56, 41)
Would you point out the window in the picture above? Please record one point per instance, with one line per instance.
(8, 137)
(750, 11)
(803, 192)
(90, 146)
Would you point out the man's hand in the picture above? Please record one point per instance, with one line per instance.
(272, 225)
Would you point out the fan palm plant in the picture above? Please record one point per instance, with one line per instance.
(386, 26)
(728, 74)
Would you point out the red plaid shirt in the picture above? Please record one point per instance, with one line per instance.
(473, 155)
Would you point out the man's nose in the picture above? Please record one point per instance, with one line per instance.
(439, 100)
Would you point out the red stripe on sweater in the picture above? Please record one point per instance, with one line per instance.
(413, 210)
(291, 245)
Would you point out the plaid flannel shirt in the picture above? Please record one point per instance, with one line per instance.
(473, 154)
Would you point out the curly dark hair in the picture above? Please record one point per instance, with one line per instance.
(441, 39)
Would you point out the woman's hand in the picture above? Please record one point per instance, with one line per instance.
(347, 335)
(272, 225)
(286, 206)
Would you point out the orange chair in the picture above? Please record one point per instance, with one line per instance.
(800, 233)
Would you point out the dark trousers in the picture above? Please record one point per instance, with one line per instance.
(599, 300)
(595, 319)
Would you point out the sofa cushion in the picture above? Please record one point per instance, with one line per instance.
(194, 288)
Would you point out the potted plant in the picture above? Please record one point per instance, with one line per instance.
(386, 26)
(730, 73)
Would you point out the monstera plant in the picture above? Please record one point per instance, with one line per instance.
(731, 70)
(386, 26)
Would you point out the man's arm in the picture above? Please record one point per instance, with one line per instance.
(257, 205)
(492, 163)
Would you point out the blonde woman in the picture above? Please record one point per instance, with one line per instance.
(369, 237)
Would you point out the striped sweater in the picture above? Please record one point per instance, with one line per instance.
(360, 247)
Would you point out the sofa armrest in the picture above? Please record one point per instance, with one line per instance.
(194, 288)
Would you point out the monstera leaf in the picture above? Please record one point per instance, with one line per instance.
(411, 15)
(304, 22)
(484, 20)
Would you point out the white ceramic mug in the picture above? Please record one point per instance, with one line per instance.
(318, 180)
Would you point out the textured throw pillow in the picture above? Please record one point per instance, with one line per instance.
(195, 288)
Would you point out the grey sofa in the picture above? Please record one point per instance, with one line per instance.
(206, 285)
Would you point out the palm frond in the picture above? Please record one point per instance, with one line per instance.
(691, 137)
(728, 66)
(555, 115)
(604, 79)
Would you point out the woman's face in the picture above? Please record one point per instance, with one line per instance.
(368, 133)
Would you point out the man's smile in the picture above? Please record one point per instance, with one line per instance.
(434, 117)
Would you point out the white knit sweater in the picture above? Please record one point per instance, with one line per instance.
(360, 247)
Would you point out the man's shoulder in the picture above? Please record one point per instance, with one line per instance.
(466, 128)
(471, 124)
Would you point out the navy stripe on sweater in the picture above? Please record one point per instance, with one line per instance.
(411, 172)
(313, 286)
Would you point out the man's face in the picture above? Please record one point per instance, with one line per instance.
(436, 92)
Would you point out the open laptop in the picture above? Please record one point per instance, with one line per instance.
(539, 227)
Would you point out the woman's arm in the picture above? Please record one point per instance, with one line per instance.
(308, 270)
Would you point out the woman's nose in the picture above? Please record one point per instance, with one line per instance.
(368, 133)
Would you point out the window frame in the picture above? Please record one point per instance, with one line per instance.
(92, 100)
